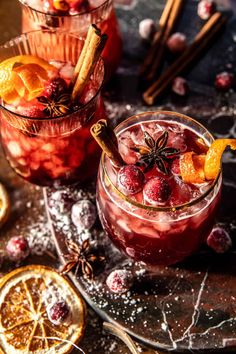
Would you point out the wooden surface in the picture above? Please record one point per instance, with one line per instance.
(28, 215)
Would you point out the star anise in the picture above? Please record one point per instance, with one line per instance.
(155, 153)
(55, 107)
(80, 258)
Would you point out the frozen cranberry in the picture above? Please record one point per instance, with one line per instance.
(17, 248)
(177, 42)
(156, 190)
(147, 28)
(224, 81)
(55, 87)
(175, 169)
(205, 9)
(219, 240)
(79, 6)
(58, 312)
(130, 179)
(120, 281)
(33, 112)
(83, 214)
(180, 86)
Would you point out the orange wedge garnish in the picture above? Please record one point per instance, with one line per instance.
(24, 323)
(20, 77)
(192, 167)
(4, 204)
(214, 155)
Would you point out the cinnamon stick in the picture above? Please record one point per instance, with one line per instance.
(201, 41)
(101, 133)
(90, 54)
(174, 14)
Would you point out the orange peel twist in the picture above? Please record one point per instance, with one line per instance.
(192, 167)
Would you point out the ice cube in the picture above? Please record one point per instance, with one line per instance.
(67, 71)
(14, 149)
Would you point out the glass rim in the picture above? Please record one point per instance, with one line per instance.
(160, 208)
(65, 15)
(65, 114)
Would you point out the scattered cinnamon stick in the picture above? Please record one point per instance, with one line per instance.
(90, 54)
(155, 54)
(101, 133)
(201, 42)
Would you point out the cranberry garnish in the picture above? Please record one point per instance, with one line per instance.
(33, 112)
(224, 81)
(58, 312)
(180, 86)
(177, 42)
(130, 179)
(219, 240)
(120, 281)
(156, 190)
(79, 6)
(55, 88)
(147, 28)
(205, 9)
(83, 214)
(17, 248)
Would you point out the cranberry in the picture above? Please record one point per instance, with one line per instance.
(83, 214)
(58, 312)
(157, 190)
(147, 28)
(224, 81)
(177, 42)
(130, 179)
(55, 87)
(205, 9)
(180, 86)
(175, 169)
(17, 248)
(79, 6)
(120, 281)
(219, 240)
(33, 112)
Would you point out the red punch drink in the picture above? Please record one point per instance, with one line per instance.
(46, 137)
(154, 208)
(75, 16)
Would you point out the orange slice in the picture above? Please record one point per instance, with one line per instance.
(192, 167)
(4, 204)
(214, 155)
(24, 323)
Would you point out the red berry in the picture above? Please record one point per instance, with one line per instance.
(205, 9)
(224, 81)
(55, 88)
(177, 42)
(157, 190)
(17, 248)
(180, 86)
(130, 179)
(58, 312)
(147, 28)
(33, 112)
(120, 281)
(219, 240)
(83, 214)
(79, 6)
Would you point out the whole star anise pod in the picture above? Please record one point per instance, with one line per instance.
(80, 258)
(155, 153)
(56, 106)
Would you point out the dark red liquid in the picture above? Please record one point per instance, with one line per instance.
(157, 237)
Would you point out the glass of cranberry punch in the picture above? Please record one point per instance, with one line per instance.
(160, 205)
(45, 135)
(75, 16)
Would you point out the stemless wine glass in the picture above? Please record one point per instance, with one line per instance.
(161, 234)
(58, 150)
(102, 14)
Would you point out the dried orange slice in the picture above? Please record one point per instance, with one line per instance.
(4, 204)
(214, 155)
(192, 167)
(24, 79)
(24, 323)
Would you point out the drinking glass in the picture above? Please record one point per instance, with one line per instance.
(163, 234)
(103, 15)
(58, 150)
